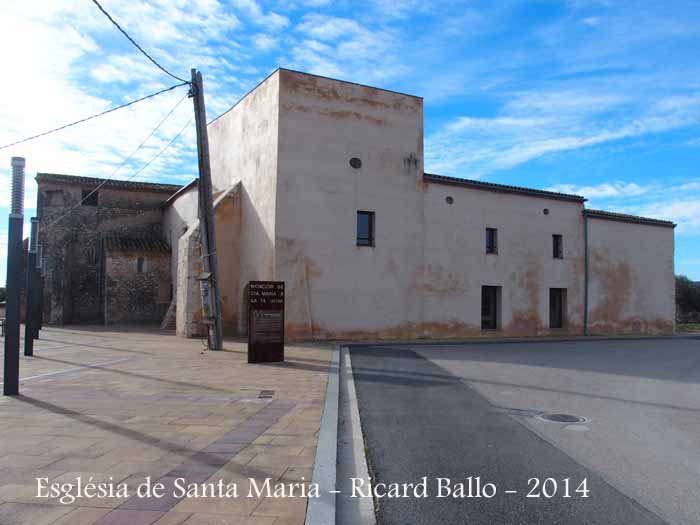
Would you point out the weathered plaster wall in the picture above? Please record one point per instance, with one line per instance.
(243, 145)
(227, 211)
(335, 288)
(132, 297)
(188, 315)
(457, 265)
(178, 217)
(632, 283)
(182, 225)
(289, 143)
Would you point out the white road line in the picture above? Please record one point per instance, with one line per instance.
(48, 374)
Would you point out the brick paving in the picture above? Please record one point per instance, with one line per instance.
(120, 405)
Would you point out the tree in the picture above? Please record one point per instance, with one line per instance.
(687, 295)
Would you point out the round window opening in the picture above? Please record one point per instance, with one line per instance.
(546, 211)
(355, 163)
(449, 200)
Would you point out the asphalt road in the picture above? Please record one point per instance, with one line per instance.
(472, 410)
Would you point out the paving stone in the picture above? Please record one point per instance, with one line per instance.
(132, 517)
(173, 518)
(168, 411)
(81, 516)
(217, 519)
(30, 513)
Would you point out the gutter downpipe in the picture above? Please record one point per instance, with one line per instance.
(585, 272)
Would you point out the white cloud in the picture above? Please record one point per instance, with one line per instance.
(329, 28)
(403, 8)
(123, 69)
(670, 200)
(72, 44)
(685, 212)
(533, 125)
(604, 190)
(264, 42)
(273, 21)
(344, 48)
(316, 3)
(591, 21)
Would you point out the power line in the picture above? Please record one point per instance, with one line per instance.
(153, 131)
(91, 117)
(149, 57)
(163, 149)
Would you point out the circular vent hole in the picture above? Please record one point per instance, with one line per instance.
(546, 211)
(355, 163)
(449, 200)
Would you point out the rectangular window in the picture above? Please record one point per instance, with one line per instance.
(490, 307)
(53, 198)
(557, 246)
(491, 240)
(557, 307)
(89, 198)
(365, 228)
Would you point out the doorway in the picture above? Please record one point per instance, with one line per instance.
(557, 307)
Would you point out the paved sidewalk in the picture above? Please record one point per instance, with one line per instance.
(107, 405)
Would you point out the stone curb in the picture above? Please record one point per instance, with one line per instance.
(321, 510)
(352, 457)
(506, 340)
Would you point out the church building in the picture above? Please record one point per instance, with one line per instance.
(320, 183)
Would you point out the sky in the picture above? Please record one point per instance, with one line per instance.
(594, 97)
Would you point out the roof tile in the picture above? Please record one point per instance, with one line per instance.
(112, 183)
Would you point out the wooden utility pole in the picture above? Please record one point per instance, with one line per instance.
(211, 303)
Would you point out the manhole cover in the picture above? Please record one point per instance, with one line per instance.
(563, 418)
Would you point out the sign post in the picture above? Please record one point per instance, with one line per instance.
(265, 321)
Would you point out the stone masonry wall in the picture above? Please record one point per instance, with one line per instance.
(133, 297)
(72, 234)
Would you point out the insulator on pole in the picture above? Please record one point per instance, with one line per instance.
(17, 204)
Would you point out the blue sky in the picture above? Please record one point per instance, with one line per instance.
(597, 97)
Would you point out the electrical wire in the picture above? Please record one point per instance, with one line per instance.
(92, 117)
(121, 165)
(149, 57)
(163, 149)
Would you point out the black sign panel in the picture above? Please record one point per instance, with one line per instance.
(265, 321)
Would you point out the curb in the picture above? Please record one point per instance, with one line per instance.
(321, 510)
(352, 457)
(507, 340)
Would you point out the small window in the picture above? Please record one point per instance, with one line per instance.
(557, 307)
(490, 307)
(53, 198)
(140, 265)
(365, 228)
(491, 240)
(557, 246)
(89, 198)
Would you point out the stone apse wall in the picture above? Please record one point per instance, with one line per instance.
(136, 297)
(73, 248)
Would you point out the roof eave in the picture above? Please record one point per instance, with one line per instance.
(502, 188)
(623, 217)
(78, 180)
